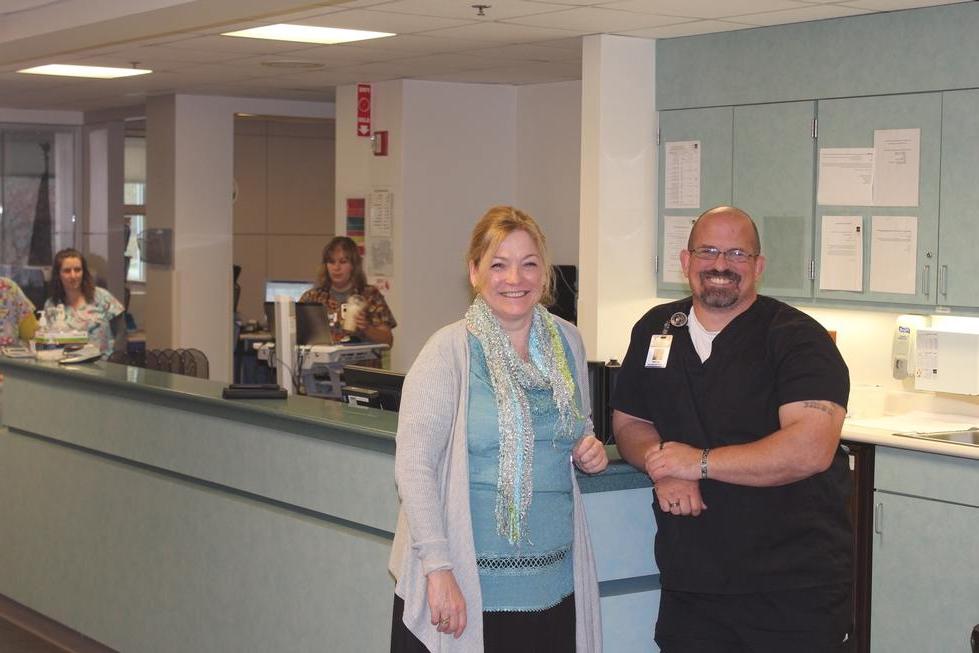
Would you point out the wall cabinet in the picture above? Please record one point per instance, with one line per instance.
(764, 158)
(925, 593)
(712, 128)
(958, 265)
(773, 172)
(850, 122)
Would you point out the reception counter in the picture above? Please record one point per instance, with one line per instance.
(146, 512)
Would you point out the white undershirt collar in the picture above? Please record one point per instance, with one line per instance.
(703, 340)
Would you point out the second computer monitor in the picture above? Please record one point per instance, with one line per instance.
(292, 289)
(312, 324)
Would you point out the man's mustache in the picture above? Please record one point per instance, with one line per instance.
(726, 274)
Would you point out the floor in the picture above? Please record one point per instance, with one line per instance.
(13, 639)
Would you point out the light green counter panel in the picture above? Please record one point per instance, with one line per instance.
(773, 182)
(146, 512)
(712, 128)
(925, 573)
(851, 122)
(958, 262)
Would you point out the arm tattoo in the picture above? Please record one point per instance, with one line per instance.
(823, 406)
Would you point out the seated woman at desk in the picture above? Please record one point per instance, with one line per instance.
(17, 320)
(342, 288)
(87, 308)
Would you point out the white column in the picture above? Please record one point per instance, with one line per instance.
(103, 229)
(190, 146)
(189, 182)
(618, 190)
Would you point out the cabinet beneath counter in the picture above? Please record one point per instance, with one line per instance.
(925, 594)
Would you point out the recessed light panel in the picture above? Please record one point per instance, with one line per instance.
(96, 72)
(307, 34)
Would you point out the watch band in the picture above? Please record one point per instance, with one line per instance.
(703, 463)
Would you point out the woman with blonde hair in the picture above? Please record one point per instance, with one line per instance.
(492, 550)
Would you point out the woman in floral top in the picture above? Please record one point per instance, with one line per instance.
(340, 277)
(87, 308)
(17, 320)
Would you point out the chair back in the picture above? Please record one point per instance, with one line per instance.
(189, 362)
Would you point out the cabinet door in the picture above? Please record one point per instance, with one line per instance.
(712, 129)
(773, 173)
(925, 574)
(958, 264)
(851, 122)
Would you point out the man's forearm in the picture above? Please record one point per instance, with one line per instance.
(633, 437)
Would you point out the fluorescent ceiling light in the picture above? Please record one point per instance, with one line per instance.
(308, 34)
(98, 72)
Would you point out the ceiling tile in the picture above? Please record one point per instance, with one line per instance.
(501, 33)
(813, 12)
(701, 8)
(234, 44)
(497, 10)
(420, 44)
(379, 21)
(687, 29)
(596, 20)
(573, 3)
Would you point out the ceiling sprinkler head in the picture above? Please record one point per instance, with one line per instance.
(481, 9)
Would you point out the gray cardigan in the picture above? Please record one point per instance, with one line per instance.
(432, 472)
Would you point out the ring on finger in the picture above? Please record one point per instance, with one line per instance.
(674, 504)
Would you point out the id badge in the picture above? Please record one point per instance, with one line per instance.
(659, 351)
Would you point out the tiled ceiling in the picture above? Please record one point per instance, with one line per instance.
(514, 42)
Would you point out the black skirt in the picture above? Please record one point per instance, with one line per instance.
(540, 631)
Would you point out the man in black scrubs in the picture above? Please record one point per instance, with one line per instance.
(733, 404)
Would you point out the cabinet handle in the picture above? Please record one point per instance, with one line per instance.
(943, 280)
(879, 519)
(926, 273)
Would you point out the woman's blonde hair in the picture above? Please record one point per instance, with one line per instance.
(498, 223)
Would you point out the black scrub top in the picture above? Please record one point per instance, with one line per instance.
(750, 539)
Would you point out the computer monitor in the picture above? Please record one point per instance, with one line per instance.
(378, 388)
(312, 324)
(565, 292)
(291, 289)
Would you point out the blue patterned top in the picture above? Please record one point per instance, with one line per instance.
(536, 573)
(94, 318)
(14, 308)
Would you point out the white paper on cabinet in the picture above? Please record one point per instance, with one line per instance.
(683, 175)
(841, 253)
(676, 233)
(897, 157)
(893, 253)
(846, 176)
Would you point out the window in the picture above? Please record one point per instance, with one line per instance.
(134, 191)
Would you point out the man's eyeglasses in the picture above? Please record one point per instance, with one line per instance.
(736, 255)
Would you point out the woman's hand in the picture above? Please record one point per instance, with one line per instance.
(589, 455)
(446, 603)
(361, 321)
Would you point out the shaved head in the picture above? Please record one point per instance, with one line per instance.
(725, 211)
